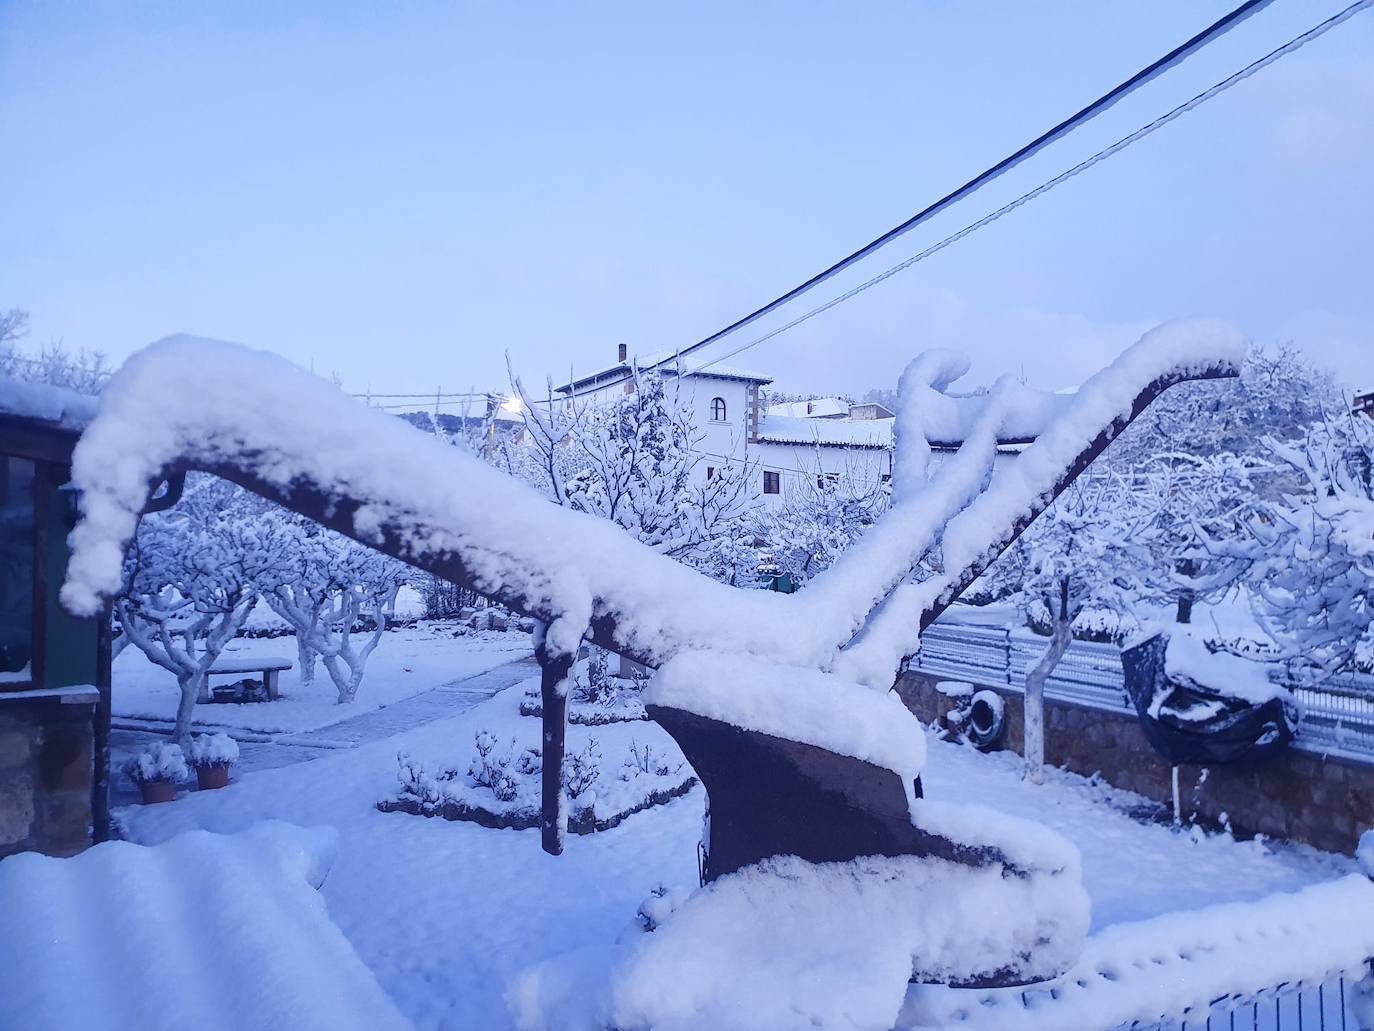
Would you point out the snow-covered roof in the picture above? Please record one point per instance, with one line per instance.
(863, 433)
(205, 931)
(65, 408)
(673, 366)
(814, 408)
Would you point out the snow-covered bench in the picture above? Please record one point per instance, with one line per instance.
(269, 668)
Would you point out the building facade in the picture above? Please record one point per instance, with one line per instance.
(790, 447)
(54, 668)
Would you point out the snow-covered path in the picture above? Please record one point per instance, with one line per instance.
(446, 913)
(444, 701)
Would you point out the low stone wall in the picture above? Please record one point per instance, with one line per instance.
(1301, 796)
(46, 765)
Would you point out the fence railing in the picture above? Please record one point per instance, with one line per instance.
(1338, 717)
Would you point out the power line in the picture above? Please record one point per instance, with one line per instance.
(1083, 116)
(1293, 44)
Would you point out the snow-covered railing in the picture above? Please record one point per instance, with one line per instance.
(1338, 717)
(1286, 961)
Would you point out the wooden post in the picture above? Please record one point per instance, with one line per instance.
(553, 689)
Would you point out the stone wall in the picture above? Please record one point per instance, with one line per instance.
(1301, 796)
(46, 766)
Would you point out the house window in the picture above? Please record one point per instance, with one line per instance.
(772, 483)
(17, 567)
(717, 409)
(830, 479)
(710, 472)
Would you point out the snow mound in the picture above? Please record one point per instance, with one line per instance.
(789, 944)
(1177, 966)
(795, 703)
(206, 931)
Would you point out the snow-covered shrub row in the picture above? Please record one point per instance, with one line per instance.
(787, 943)
(596, 697)
(160, 761)
(213, 750)
(289, 428)
(501, 787)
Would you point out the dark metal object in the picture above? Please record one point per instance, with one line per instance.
(554, 670)
(1189, 723)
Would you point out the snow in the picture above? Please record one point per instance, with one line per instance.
(1187, 659)
(213, 750)
(815, 408)
(447, 914)
(203, 931)
(409, 660)
(795, 703)
(67, 408)
(160, 761)
(1164, 967)
(213, 403)
(786, 429)
(851, 935)
(620, 784)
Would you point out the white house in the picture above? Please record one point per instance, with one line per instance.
(790, 446)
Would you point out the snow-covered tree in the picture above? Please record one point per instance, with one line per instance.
(191, 577)
(1314, 551)
(1278, 395)
(635, 461)
(818, 520)
(334, 588)
(1082, 562)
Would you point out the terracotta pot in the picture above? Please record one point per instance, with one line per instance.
(208, 777)
(155, 791)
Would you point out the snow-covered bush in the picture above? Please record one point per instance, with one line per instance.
(161, 761)
(212, 750)
(503, 783)
(1314, 552)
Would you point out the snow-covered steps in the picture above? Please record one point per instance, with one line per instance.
(205, 931)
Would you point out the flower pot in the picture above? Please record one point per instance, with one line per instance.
(155, 791)
(209, 777)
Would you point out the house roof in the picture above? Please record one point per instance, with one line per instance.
(204, 931)
(861, 433)
(63, 408)
(813, 408)
(673, 366)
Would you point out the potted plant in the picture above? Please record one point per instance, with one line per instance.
(157, 770)
(211, 757)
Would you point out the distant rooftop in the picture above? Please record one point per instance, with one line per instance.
(670, 366)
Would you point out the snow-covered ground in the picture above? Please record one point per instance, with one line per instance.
(447, 913)
(409, 660)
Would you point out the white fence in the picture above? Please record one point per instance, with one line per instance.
(1338, 718)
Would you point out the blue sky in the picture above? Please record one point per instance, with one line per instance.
(400, 194)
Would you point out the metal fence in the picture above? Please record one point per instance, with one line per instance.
(1338, 717)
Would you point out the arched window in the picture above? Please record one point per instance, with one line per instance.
(717, 409)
